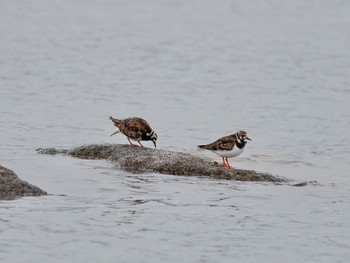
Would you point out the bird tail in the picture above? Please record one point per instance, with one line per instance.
(115, 121)
(201, 146)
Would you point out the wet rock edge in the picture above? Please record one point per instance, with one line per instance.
(136, 159)
(11, 186)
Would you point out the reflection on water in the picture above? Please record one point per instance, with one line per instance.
(197, 71)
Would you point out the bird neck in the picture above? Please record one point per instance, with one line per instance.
(240, 142)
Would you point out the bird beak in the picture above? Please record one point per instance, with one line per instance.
(154, 142)
(114, 133)
(248, 138)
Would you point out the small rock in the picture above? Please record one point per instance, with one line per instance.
(11, 186)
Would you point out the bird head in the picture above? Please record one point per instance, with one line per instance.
(153, 137)
(242, 135)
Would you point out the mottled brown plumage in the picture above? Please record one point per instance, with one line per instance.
(226, 143)
(228, 146)
(136, 129)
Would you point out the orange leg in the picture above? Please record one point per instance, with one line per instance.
(130, 142)
(140, 143)
(228, 164)
(223, 162)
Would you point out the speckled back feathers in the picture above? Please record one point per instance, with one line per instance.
(135, 128)
(227, 143)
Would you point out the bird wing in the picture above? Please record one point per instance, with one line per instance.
(135, 127)
(223, 144)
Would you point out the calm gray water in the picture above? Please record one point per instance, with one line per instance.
(196, 70)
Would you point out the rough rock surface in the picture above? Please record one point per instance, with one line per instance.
(11, 186)
(137, 159)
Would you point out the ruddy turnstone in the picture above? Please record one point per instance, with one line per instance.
(136, 129)
(228, 146)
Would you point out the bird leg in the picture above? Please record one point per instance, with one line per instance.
(140, 143)
(117, 131)
(130, 142)
(228, 164)
(223, 162)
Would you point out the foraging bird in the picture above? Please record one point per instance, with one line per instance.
(228, 146)
(136, 129)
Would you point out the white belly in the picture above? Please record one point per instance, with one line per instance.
(229, 154)
(137, 139)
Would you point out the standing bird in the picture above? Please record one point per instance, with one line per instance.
(136, 129)
(228, 146)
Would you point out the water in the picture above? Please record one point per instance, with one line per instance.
(196, 71)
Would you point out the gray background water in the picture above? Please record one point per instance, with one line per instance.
(196, 70)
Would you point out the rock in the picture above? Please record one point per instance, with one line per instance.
(137, 159)
(11, 186)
